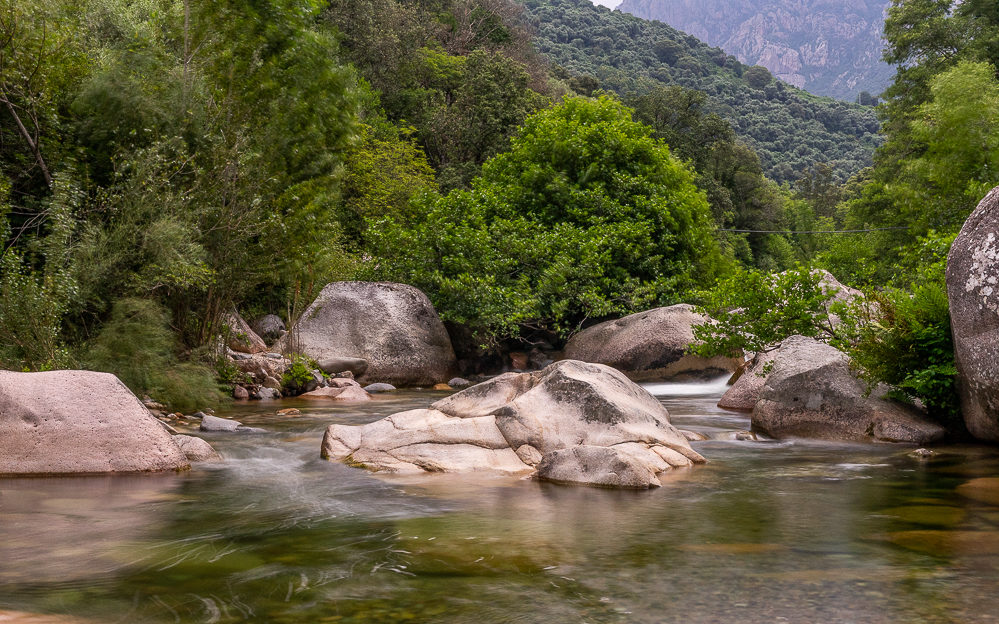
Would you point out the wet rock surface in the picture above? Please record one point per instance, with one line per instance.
(812, 393)
(196, 449)
(973, 293)
(84, 422)
(513, 422)
(647, 345)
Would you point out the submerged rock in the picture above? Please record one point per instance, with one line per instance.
(973, 293)
(196, 449)
(513, 422)
(647, 345)
(83, 422)
(393, 327)
(812, 393)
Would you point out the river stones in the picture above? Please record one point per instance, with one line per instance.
(812, 393)
(339, 389)
(647, 345)
(79, 422)
(393, 327)
(983, 489)
(336, 365)
(196, 449)
(973, 293)
(512, 423)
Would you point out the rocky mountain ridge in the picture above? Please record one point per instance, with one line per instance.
(827, 47)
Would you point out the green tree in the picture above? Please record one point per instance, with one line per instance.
(757, 76)
(755, 311)
(959, 127)
(586, 216)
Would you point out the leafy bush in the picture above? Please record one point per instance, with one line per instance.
(902, 337)
(137, 345)
(755, 311)
(38, 287)
(586, 216)
(294, 380)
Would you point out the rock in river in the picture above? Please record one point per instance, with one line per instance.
(517, 421)
(82, 422)
(197, 449)
(647, 345)
(812, 393)
(973, 292)
(745, 392)
(393, 327)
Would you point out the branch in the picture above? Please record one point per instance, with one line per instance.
(31, 142)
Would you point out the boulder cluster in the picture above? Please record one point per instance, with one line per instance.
(571, 422)
(578, 420)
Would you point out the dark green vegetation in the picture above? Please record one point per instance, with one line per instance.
(585, 216)
(164, 163)
(941, 125)
(790, 129)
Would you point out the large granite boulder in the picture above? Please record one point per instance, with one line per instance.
(973, 292)
(270, 327)
(812, 393)
(79, 422)
(241, 337)
(648, 345)
(745, 392)
(392, 326)
(514, 422)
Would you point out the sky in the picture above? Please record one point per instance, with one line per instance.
(607, 3)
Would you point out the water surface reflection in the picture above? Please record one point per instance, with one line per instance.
(766, 532)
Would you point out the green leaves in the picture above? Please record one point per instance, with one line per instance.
(755, 311)
(585, 216)
(903, 338)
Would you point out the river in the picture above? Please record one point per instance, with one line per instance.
(765, 532)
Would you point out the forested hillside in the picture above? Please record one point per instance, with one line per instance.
(790, 129)
(166, 164)
(827, 48)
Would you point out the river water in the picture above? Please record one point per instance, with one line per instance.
(765, 532)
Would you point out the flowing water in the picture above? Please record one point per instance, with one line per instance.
(766, 532)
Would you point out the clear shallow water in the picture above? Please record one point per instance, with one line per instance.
(766, 532)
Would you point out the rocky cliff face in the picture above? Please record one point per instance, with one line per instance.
(828, 47)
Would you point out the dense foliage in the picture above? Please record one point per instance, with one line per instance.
(790, 129)
(755, 311)
(165, 161)
(585, 216)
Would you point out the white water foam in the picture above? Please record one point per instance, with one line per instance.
(688, 388)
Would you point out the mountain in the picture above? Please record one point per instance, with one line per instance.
(827, 47)
(791, 130)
